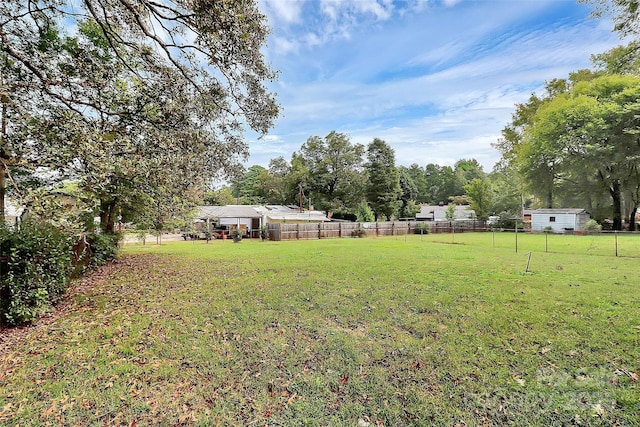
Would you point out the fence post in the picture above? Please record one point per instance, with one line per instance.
(297, 231)
(376, 228)
(616, 242)
(339, 229)
(319, 230)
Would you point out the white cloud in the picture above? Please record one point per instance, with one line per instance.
(438, 84)
(285, 11)
(284, 46)
(347, 9)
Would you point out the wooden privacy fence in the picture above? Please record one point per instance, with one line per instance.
(332, 230)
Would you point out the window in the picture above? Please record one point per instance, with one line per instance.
(552, 219)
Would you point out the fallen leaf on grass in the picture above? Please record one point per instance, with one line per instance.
(544, 350)
(6, 411)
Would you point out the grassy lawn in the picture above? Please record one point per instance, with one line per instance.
(346, 332)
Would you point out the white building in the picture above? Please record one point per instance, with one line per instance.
(560, 220)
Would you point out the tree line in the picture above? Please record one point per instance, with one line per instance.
(355, 181)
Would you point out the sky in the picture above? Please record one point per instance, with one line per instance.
(437, 80)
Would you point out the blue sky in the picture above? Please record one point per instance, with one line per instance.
(437, 80)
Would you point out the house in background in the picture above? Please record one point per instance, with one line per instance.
(290, 214)
(439, 213)
(245, 218)
(249, 219)
(559, 220)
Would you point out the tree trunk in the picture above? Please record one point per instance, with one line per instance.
(2, 188)
(614, 190)
(3, 167)
(632, 218)
(550, 198)
(107, 216)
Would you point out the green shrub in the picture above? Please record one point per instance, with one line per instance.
(236, 235)
(547, 229)
(359, 232)
(422, 228)
(592, 226)
(103, 248)
(35, 264)
(364, 213)
(264, 232)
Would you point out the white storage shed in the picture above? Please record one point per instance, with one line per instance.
(560, 220)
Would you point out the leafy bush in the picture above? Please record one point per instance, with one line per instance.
(264, 232)
(422, 228)
(35, 263)
(364, 213)
(236, 235)
(547, 229)
(359, 232)
(103, 248)
(592, 226)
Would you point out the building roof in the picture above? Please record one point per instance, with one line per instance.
(574, 211)
(229, 211)
(273, 212)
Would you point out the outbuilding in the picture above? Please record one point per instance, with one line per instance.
(558, 220)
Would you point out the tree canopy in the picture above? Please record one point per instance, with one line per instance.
(334, 171)
(129, 96)
(581, 144)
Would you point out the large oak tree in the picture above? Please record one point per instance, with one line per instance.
(125, 93)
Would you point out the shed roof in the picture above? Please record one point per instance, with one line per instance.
(574, 211)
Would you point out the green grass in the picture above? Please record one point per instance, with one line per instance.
(394, 331)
